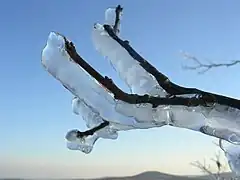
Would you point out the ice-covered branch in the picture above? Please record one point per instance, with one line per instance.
(163, 80)
(203, 100)
(105, 34)
(116, 26)
(154, 101)
(79, 70)
(133, 98)
(93, 102)
(202, 67)
(89, 132)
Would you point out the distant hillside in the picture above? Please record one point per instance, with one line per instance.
(154, 175)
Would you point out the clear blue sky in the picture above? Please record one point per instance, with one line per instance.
(36, 110)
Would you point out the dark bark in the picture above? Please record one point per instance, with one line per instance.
(201, 98)
(93, 130)
(118, 10)
(134, 98)
(171, 88)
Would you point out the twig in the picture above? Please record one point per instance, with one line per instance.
(89, 132)
(218, 163)
(205, 67)
(171, 88)
(205, 169)
(118, 12)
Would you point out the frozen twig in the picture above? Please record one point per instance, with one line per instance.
(171, 88)
(201, 67)
(202, 98)
(175, 92)
(91, 131)
(134, 98)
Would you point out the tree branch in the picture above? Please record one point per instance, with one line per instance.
(118, 12)
(207, 168)
(134, 98)
(204, 99)
(89, 132)
(205, 67)
(164, 82)
(204, 168)
(218, 163)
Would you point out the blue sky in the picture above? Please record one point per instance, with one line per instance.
(36, 110)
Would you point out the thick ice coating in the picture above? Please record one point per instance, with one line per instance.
(92, 119)
(94, 103)
(110, 18)
(137, 79)
(141, 82)
(224, 118)
(58, 63)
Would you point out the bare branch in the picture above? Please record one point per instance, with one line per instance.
(206, 169)
(201, 67)
(218, 163)
(118, 12)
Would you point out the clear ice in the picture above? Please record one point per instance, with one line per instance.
(138, 80)
(95, 104)
(92, 101)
